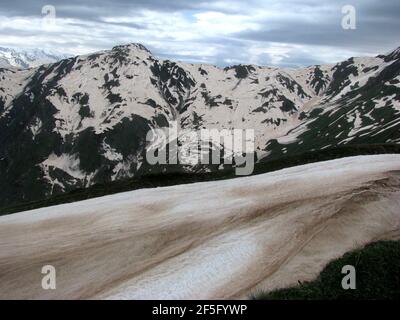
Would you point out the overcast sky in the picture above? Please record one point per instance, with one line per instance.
(222, 32)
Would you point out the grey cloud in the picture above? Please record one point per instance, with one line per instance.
(377, 28)
(297, 23)
(93, 8)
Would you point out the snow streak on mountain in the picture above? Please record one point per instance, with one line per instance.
(212, 240)
(84, 120)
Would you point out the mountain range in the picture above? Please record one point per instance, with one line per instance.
(83, 120)
(27, 58)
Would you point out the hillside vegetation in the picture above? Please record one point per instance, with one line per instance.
(377, 277)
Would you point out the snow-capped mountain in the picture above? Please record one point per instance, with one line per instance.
(84, 120)
(28, 58)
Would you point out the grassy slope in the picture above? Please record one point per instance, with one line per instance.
(160, 180)
(377, 277)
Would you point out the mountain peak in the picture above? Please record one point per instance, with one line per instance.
(132, 46)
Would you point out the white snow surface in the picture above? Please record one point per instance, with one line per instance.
(212, 240)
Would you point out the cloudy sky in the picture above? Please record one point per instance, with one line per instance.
(222, 32)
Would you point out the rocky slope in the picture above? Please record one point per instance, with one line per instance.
(84, 120)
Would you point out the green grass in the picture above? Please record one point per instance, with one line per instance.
(168, 179)
(377, 277)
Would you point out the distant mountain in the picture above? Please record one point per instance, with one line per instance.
(84, 120)
(24, 59)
